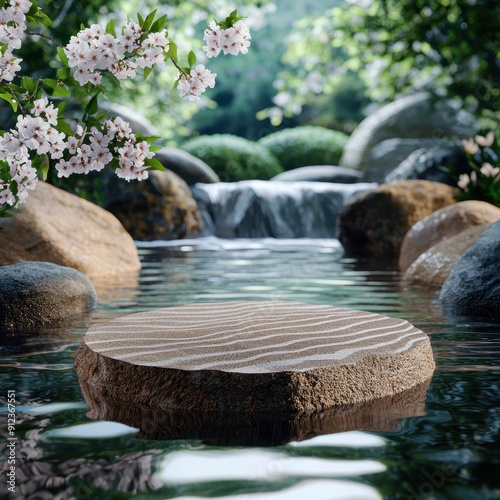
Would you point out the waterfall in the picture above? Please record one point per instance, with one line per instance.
(259, 209)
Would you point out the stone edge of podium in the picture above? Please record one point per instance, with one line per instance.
(285, 393)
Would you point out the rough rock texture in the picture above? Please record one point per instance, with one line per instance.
(55, 226)
(433, 266)
(41, 294)
(428, 164)
(252, 429)
(473, 286)
(320, 173)
(373, 224)
(186, 166)
(443, 224)
(412, 117)
(269, 358)
(158, 208)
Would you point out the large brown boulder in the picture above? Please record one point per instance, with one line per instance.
(374, 223)
(158, 208)
(444, 224)
(55, 226)
(433, 266)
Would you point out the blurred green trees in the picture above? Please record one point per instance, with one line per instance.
(449, 47)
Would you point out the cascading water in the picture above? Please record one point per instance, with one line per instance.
(260, 209)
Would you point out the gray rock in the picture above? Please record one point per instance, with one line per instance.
(137, 121)
(412, 117)
(186, 166)
(41, 294)
(473, 286)
(320, 173)
(428, 164)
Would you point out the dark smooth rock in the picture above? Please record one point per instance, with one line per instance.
(186, 166)
(417, 116)
(41, 294)
(320, 173)
(428, 164)
(137, 121)
(473, 286)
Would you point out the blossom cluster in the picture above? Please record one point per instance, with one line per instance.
(93, 51)
(231, 40)
(12, 26)
(33, 134)
(199, 79)
(93, 151)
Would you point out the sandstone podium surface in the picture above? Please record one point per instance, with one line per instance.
(211, 362)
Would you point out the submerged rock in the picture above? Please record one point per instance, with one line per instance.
(158, 208)
(473, 286)
(36, 295)
(55, 226)
(373, 224)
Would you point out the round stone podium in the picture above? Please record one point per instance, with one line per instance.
(219, 362)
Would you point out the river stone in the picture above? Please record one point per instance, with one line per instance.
(433, 266)
(242, 358)
(374, 223)
(320, 173)
(35, 295)
(415, 116)
(160, 207)
(137, 121)
(443, 224)
(186, 166)
(429, 164)
(56, 226)
(473, 286)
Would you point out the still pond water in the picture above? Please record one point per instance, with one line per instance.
(451, 451)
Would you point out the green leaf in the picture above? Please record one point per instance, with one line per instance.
(191, 58)
(56, 88)
(92, 106)
(6, 96)
(45, 167)
(172, 51)
(61, 107)
(110, 27)
(154, 164)
(140, 19)
(63, 73)
(147, 72)
(62, 56)
(159, 24)
(148, 21)
(62, 126)
(28, 84)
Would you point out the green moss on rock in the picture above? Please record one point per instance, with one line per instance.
(305, 146)
(234, 158)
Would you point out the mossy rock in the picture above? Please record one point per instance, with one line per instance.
(234, 158)
(304, 146)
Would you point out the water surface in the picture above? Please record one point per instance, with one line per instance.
(452, 451)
